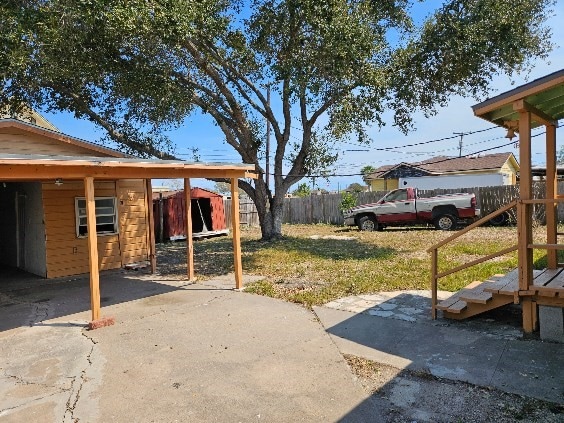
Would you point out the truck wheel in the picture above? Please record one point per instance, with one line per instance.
(367, 223)
(499, 220)
(445, 222)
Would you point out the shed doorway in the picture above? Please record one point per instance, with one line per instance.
(207, 211)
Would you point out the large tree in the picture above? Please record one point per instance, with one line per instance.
(136, 67)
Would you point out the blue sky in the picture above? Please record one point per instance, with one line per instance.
(199, 132)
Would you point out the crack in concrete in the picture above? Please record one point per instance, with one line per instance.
(40, 311)
(74, 397)
(21, 381)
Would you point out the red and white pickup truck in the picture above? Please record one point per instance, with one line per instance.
(403, 206)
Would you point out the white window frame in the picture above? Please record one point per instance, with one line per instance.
(80, 213)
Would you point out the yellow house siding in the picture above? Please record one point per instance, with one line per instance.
(509, 169)
(67, 254)
(133, 224)
(15, 141)
(383, 184)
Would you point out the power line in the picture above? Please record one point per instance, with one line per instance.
(426, 163)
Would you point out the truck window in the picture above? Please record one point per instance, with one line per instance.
(399, 195)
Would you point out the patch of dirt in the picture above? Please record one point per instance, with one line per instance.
(420, 397)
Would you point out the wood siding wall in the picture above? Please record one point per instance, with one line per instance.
(67, 254)
(133, 221)
(325, 208)
(14, 141)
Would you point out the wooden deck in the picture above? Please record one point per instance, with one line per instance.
(479, 297)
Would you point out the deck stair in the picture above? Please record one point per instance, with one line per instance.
(479, 297)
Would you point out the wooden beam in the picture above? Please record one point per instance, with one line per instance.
(151, 225)
(551, 193)
(21, 171)
(537, 115)
(236, 234)
(524, 216)
(92, 248)
(189, 237)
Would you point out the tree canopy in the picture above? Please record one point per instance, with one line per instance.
(138, 67)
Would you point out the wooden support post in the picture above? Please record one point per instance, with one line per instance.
(529, 315)
(189, 237)
(161, 218)
(151, 225)
(524, 217)
(551, 193)
(236, 234)
(92, 248)
(434, 267)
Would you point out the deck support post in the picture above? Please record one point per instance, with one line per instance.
(434, 267)
(551, 194)
(236, 233)
(92, 248)
(189, 237)
(151, 225)
(524, 217)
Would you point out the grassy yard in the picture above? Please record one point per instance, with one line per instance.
(315, 264)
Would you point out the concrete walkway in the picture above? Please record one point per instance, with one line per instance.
(178, 352)
(395, 328)
(206, 353)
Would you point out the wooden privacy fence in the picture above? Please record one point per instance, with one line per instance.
(324, 208)
(248, 215)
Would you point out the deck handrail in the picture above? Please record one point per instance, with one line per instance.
(542, 200)
(473, 225)
(434, 251)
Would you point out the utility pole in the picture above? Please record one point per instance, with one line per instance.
(460, 142)
(268, 140)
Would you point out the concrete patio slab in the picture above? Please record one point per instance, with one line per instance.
(178, 352)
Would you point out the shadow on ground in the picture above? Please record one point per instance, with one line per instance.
(483, 350)
(215, 257)
(29, 298)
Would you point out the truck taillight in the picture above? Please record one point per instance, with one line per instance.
(473, 202)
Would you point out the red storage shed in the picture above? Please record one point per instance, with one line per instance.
(208, 214)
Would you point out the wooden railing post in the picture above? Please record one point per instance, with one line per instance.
(551, 193)
(434, 270)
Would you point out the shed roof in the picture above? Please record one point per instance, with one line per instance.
(543, 96)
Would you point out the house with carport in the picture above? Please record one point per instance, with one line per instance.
(73, 207)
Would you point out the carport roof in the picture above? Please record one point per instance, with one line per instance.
(21, 167)
(544, 96)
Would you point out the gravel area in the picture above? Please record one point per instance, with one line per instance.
(419, 397)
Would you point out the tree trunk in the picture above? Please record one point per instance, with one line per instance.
(270, 211)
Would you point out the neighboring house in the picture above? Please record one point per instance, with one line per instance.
(448, 172)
